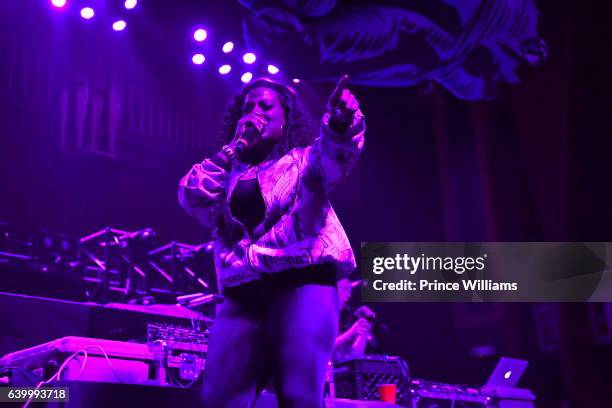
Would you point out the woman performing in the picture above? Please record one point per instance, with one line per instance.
(279, 247)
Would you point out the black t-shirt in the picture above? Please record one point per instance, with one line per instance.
(247, 204)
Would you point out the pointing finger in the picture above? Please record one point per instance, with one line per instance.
(337, 93)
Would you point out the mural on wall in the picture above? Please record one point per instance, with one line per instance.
(468, 46)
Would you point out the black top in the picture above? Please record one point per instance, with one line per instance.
(247, 204)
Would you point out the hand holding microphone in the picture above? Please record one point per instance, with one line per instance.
(248, 130)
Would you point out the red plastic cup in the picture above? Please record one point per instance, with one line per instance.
(387, 392)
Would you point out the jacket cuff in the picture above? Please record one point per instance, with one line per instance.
(341, 131)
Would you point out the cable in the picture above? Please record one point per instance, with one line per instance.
(58, 374)
(176, 381)
(82, 364)
(110, 365)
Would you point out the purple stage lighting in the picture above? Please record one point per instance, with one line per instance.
(130, 4)
(198, 59)
(249, 58)
(228, 47)
(246, 77)
(87, 13)
(58, 3)
(119, 25)
(296, 81)
(200, 34)
(272, 69)
(225, 69)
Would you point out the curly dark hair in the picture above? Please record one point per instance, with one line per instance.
(298, 130)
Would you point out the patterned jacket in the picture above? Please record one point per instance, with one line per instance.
(300, 227)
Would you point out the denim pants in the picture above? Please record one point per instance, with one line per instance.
(279, 328)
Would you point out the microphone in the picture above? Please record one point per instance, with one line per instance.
(250, 135)
(357, 283)
(370, 316)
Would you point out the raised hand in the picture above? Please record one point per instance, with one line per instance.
(342, 105)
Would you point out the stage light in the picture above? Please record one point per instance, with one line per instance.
(246, 77)
(119, 25)
(225, 69)
(273, 69)
(296, 81)
(228, 47)
(53, 250)
(198, 59)
(249, 58)
(130, 4)
(200, 34)
(87, 13)
(58, 3)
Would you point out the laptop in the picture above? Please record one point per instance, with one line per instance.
(507, 373)
(504, 378)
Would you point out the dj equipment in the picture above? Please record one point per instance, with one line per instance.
(88, 359)
(173, 333)
(426, 394)
(358, 378)
(28, 320)
(127, 362)
(500, 390)
(179, 362)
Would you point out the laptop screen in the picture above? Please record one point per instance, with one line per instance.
(507, 373)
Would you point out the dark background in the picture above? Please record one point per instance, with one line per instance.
(97, 127)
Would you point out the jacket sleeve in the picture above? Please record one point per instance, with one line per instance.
(202, 189)
(333, 154)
